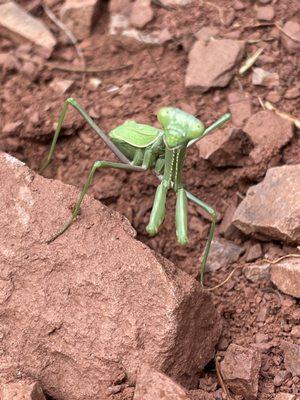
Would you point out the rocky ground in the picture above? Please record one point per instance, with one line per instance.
(131, 58)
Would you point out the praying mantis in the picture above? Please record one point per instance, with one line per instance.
(140, 147)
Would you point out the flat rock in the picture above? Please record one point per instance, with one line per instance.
(254, 252)
(152, 384)
(240, 107)
(79, 16)
(222, 253)
(292, 28)
(226, 227)
(269, 133)
(291, 354)
(271, 209)
(141, 13)
(286, 276)
(240, 370)
(225, 147)
(16, 23)
(212, 64)
(95, 303)
(257, 272)
(20, 390)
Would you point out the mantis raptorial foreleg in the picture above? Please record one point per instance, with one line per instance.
(158, 212)
(213, 216)
(97, 165)
(70, 101)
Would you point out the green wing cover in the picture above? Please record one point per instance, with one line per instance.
(138, 135)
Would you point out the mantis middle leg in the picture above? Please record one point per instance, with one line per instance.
(97, 165)
(213, 216)
(70, 101)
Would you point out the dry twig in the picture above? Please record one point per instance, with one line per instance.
(250, 61)
(222, 283)
(285, 33)
(220, 378)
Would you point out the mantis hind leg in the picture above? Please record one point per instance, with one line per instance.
(213, 216)
(76, 209)
(181, 217)
(70, 101)
(158, 210)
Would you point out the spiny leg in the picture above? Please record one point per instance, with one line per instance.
(213, 216)
(97, 165)
(158, 210)
(89, 120)
(181, 217)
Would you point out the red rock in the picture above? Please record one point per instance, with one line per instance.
(285, 396)
(226, 147)
(141, 13)
(286, 276)
(61, 86)
(79, 16)
(11, 127)
(239, 5)
(292, 28)
(240, 107)
(269, 133)
(151, 384)
(295, 332)
(271, 208)
(281, 377)
(20, 26)
(222, 253)
(226, 228)
(240, 370)
(292, 93)
(273, 97)
(20, 390)
(265, 13)
(257, 272)
(212, 64)
(206, 33)
(261, 77)
(95, 303)
(291, 357)
(254, 252)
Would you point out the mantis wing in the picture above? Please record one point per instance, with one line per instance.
(137, 135)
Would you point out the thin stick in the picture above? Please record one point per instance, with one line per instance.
(220, 378)
(285, 33)
(222, 283)
(87, 70)
(281, 258)
(70, 35)
(250, 61)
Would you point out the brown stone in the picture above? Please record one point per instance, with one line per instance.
(226, 228)
(79, 16)
(286, 276)
(20, 26)
(261, 77)
(225, 147)
(212, 64)
(141, 13)
(152, 384)
(254, 252)
(269, 133)
(240, 370)
(291, 353)
(292, 93)
(95, 303)
(222, 253)
(240, 107)
(20, 390)
(285, 396)
(257, 272)
(292, 29)
(295, 332)
(271, 208)
(265, 13)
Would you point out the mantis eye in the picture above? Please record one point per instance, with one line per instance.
(196, 131)
(163, 116)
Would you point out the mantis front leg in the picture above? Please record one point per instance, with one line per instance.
(213, 216)
(70, 101)
(97, 165)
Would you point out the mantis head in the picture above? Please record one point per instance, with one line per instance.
(179, 127)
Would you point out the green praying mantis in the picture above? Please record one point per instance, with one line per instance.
(140, 147)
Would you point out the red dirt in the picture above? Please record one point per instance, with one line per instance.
(156, 79)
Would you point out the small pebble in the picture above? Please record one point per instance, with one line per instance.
(265, 13)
